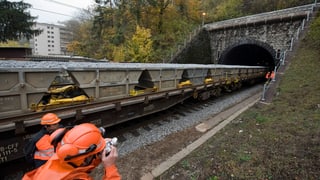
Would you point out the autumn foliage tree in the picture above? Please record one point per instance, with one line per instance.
(139, 48)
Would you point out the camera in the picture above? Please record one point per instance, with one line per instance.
(113, 142)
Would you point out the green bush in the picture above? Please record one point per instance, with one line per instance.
(314, 33)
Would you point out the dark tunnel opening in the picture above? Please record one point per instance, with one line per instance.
(248, 54)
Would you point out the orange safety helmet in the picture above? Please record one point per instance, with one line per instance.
(80, 142)
(50, 118)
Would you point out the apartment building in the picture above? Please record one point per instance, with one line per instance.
(53, 40)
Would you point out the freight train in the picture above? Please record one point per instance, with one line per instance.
(102, 93)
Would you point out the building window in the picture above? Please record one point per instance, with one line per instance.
(48, 41)
(52, 41)
(49, 49)
(48, 32)
(52, 46)
(49, 45)
(52, 36)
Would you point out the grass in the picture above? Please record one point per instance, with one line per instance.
(276, 141)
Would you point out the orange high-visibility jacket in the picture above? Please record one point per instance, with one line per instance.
(57, 169)
(44, 148)
(268, 75)
(272, 75)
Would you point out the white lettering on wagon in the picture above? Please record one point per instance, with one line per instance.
(8, 150)
(4, 100)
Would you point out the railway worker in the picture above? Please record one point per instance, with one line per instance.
(268, 75)
(79, 151)
(43, 148)
(272, 75)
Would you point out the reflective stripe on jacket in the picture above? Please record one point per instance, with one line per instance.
(44, 148)
(63, 171)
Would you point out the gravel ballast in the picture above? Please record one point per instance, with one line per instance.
(157, 133)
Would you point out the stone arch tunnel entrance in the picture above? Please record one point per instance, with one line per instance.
(249, 52)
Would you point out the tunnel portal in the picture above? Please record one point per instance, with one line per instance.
(249, 53)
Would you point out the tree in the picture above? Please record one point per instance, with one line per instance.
(15, 22)
(228, 10)
(84, 42)
(140, 47)
(314, 34)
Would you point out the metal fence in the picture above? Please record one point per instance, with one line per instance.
(284, 53)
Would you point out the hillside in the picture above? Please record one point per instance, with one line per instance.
(280, 140)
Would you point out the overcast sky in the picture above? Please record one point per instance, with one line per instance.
(53, 11)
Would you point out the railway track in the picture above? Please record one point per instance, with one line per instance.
(174, 119)
(148, 123)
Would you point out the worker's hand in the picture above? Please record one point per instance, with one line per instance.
(111, 158)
